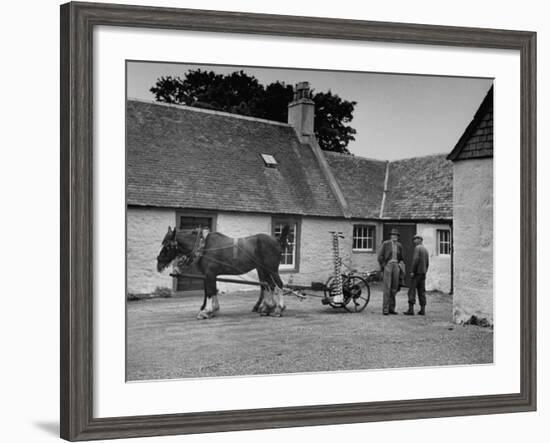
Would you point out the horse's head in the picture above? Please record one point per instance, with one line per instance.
(168, 251)
(174, 245)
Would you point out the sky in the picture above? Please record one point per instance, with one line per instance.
(396, 116)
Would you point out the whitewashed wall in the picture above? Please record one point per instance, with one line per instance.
(146, 228)
(316, 256)
(473, 239)
(438, 277)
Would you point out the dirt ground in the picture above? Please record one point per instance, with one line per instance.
(165, 340)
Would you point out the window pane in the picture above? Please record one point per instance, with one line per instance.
(363, 237)
(288, 254)
(444, 241)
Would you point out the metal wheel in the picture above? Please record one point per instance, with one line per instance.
(356, 293)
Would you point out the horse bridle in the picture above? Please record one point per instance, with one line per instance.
(196, 251)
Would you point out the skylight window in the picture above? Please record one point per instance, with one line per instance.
(269, 160)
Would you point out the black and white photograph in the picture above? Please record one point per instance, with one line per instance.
(285, 221)
(265, 222)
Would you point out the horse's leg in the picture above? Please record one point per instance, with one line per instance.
(268, 303)
(204, 299)
(215, 303)
(256, 307)
(211, 305)
(202, 311)
(279, 295)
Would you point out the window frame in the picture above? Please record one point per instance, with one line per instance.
(196, 214)
(295, 267)
(363, 225)
(440, 243)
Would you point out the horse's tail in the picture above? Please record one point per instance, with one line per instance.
(283, 238)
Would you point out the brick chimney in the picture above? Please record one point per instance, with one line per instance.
(301, 112)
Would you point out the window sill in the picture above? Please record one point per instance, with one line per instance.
(363, 251)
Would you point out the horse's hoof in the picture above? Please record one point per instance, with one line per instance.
(267, 309)
(255, 309)
(203, 315)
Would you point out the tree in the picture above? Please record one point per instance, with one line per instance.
(332, 118)
(240, 93)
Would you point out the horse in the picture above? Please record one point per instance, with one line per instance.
(217, 254)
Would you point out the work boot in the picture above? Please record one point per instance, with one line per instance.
(392, 312)
(410, 311)
(422, 310)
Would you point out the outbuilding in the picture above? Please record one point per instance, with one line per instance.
(472, 160)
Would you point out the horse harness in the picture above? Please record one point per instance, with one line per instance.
(198, 249)
(196, 252)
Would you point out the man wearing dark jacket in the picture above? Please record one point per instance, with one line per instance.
(389, 257)
(419, 267)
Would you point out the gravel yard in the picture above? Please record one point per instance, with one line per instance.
(165, 340)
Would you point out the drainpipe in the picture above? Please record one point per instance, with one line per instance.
(385, 189)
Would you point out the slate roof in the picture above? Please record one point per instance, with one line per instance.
(420, 188)
(189, 158)
(477, 139)
(361, 181)
(183, 157)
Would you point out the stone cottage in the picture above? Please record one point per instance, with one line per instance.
(472, 160)
(241, 175)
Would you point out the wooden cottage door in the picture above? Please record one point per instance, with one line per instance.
(189, 223)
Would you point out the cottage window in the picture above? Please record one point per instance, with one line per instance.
(363, 238)
(289, 256)
(189, 223)
(444, 241)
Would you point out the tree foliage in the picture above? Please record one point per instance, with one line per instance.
(240, 93)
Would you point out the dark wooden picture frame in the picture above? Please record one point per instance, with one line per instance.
(77, 23)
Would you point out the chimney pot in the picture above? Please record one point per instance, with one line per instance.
(301, 111)
(301, 91)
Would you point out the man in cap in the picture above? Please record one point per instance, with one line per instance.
(419, 267)
(389, 257)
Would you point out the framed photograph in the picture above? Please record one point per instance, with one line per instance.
(273, 221)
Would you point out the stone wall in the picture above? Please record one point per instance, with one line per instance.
(145, 230)
(316, 256)
(438, 277)
(473, 239)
